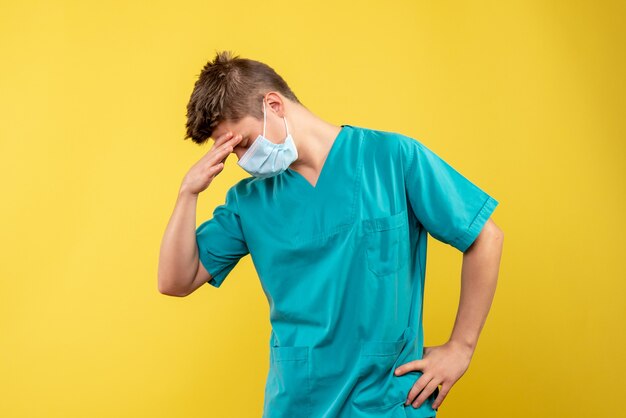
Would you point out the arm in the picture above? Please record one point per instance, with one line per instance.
(479, 275)
(457, 212)
(445, 364)
(180, 271)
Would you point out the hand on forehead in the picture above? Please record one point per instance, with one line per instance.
(246, 127)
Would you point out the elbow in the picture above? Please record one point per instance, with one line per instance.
(495, 236)
(170, 288)
(499, 236)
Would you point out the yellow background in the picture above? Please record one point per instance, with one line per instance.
(525, 98)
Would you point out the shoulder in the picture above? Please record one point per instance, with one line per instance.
(249, 190)
(242, 188)
(378, 143)
(391, 140)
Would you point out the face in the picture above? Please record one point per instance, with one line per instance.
(250, 128)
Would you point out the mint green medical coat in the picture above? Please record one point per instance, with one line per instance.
(342, 265)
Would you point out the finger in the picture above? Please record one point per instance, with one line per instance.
(219, 154)
(407, 367)
(443, 392)
(418, 386)
(232, 139)
(235, 140)
(221, 139)
(216, 169)
(430, 388)
(231, 143)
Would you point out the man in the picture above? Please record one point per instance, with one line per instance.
(336, 220)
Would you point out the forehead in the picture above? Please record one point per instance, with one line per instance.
(243, 126)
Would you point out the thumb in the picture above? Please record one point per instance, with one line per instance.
(407, 367)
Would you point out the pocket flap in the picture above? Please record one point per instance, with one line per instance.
(385, 348)
(385, 222)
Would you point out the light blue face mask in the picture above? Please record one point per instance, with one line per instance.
(265, 158)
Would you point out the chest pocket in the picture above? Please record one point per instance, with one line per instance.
(386, 243)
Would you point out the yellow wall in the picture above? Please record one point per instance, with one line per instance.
(526, 98)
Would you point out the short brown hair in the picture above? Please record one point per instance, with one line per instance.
(230, 88)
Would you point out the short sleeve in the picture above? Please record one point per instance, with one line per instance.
(220, 240)
(449, 206)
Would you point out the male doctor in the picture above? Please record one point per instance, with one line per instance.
(336, 220)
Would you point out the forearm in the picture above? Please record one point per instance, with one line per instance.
(178, 259)
(479, 275)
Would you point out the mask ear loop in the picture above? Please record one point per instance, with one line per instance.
(264, 120)
(286, 127)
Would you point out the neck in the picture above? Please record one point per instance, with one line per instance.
(313, 137)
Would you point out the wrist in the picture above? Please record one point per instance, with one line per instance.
(185, 193)
(463, 346)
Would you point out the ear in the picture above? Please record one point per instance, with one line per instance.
(276, 103)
